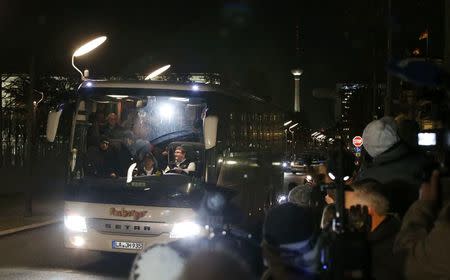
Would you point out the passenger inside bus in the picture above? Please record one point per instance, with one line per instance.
(149, 166)
(112, 128)
(101, 160)
(182, 165)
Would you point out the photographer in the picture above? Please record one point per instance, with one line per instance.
(425, 235)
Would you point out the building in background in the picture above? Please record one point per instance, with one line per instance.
(356, 106)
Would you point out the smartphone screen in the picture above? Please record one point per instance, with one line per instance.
(427, 139)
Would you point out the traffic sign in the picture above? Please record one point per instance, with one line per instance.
(357, 141)
(358, 149)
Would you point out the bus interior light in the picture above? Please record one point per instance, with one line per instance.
(181, 99)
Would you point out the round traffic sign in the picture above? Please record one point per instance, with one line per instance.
(357, 141)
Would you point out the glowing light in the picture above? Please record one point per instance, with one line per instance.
(78, 241)
(287, 123)
(281, 199)
(166, 111)
(331, 175)
(88, 84)
(346, 178)
(292, 126)
(75, 223)
(118, 96)
(185, 229)
(297, 72)
(181, 99)
(157, 72)
(195, 87)
(89, 46)
(231, 162)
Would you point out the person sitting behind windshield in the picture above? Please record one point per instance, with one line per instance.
(181, 165)
(149, 166)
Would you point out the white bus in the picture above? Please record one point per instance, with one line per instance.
(235, 141)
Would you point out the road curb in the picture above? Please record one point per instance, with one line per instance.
(31, 226)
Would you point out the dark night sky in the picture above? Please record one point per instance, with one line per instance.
(251, 42)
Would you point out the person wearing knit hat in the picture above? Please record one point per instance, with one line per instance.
(289, 243)
(380, 135)
(393, 162)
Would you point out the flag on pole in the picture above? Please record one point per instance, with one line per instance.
(423, 35)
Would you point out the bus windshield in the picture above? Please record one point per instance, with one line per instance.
(114, 131)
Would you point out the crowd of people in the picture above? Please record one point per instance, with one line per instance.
(407, 237)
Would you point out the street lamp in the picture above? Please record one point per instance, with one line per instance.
(287, 123)
(294, 143)
(157, 72)
(86, 48)
(292, 126)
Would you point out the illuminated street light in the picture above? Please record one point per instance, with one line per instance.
(157, 72)
(86, 48)
(287, 123)
(292, 126)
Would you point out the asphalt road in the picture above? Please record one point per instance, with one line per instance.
(40, 254)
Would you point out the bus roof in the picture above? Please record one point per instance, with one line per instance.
(159, 88)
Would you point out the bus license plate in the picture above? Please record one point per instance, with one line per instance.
(127, 245)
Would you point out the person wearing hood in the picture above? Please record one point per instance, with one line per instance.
(393, 162)
(289, 244)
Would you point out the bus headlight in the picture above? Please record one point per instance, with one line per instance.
(75, 223)
(185, 229)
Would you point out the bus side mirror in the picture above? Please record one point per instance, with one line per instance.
(210, 131)
(52, 124)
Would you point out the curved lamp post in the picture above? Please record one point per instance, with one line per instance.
(86, 48)
(157, 72)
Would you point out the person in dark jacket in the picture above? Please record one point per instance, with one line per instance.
(112, 128)
(289, 244)
(148, 166)
(425, 234)
(101, 159)
(393, 163)
(370, 193)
